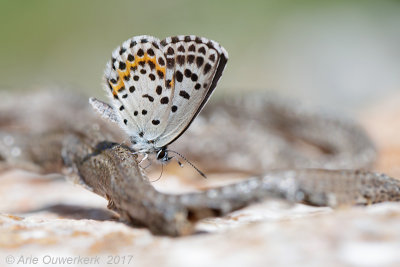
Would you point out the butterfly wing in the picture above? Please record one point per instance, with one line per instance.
(194, 65)
(158, 87)
(136, 78)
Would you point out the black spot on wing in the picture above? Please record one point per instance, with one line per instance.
(202, 50)
(168, 83)
(160, 74)
(190, 59)
(170, 51)
(179, 76)
(113, 60)
(150, 52)
(133, 43)
(212, 58)
(155, 45)
(210, 44)
(207, 68)
(181, 48)
(122, 65)
(151, 99)
(164, 100)
(199, 61)
(159, 90)
(188, 73)
(161, 61)
(140, 52)
(180, 59)
(152, 65)
(192, 48)
(174, 39)
(170, 63)
(184, 94)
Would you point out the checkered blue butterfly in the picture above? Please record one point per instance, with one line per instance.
(157, 88)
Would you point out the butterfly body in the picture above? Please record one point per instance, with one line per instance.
(157, 88)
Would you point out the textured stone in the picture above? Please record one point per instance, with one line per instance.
(46, 216)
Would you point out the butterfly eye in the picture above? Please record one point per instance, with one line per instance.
(162, 154)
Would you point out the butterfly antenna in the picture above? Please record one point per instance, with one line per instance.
(162, 170)
(191, 164)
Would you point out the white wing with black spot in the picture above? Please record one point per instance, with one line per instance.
(158, 87)
(136, 79)
(196, 64)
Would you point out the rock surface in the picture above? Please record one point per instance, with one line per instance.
(45, 218)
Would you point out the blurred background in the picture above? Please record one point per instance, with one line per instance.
(341, 54)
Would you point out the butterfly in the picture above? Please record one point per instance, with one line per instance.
(157, 88)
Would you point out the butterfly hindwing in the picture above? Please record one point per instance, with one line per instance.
(195, 64)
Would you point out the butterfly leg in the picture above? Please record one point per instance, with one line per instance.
(144, 158)
(148, 165)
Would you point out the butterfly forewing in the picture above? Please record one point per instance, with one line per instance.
(136, 75)
(193, 62)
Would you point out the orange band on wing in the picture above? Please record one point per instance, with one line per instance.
(120, 85)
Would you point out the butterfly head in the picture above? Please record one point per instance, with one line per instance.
(162, 155)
